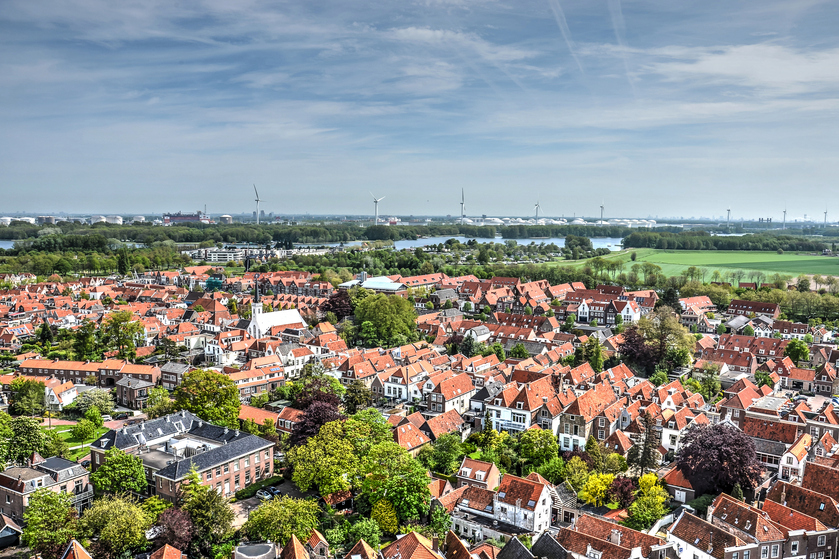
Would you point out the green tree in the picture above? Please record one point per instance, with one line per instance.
(748, 330)
(154, 507)
(211, 396)
(519, 352)
(27, 438)
(211, 514)
(553, 470)
(123, 261)
(538, 446)
(615, 464)
(798, 351)
(596, 489)
(96, 397)
(27, 397)
(157, 395)
(596, 455)
(644, 456)
(407, 490)
(576, 473)
(763, 378)
(368, 530)
(392, 318)
(498, 350)
(278, 519)
(120, 473)
(648, 506)
(45, 335)
(94, 416)
(51, 522)
(357, 397)
(594, 353)
(54, 446)
(444, 455)
(385, 516)
(84, 430)
(441, 522)
(721, 329)
(659, 377)
(120, 331)
(709, 381)
(118, 523)
(327, 461)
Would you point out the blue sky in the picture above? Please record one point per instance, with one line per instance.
(658, 107)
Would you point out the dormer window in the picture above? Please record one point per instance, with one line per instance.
(519, 405)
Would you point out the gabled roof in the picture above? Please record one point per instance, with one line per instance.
(791, 518)
(363, 550)
(75, 551)
(411, 546)
(703, 535)
(294, 550)
(167, 552)
(807, 501)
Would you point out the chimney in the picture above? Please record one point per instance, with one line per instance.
(435, 544)
(615, 537)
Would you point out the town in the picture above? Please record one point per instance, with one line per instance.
(293, 414)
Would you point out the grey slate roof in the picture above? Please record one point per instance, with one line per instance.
(514, 550)
(174, 367)
(773, 448)
(134, 383)
(546, 546)
(233, 442)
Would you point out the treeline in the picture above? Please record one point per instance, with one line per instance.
(161, 256)
(536, 231)
(702, 240)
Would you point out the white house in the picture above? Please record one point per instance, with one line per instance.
(262, 322)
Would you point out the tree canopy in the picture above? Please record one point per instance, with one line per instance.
(716, 457)
(211, 396)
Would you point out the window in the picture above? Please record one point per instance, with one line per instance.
(256, 458)
(746, 554)
(736, 413)
(822, 541)
(247, 461)
(789, 459)
(793, 548)
(602, 422)
(567, 429)
(227, 468)
(764, 552)
(236, 466)
(775, 550)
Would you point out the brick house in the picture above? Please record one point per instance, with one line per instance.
(17, 483)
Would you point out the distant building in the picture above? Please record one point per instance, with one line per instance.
(226, 219)
(201, 217)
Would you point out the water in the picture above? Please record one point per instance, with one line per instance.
(7, 244)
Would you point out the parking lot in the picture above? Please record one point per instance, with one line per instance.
(242, 508)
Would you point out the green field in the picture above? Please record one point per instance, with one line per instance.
(673, 262)
(65, 432)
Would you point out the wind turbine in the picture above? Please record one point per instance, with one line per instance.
(601, 213)
(784, 226)
(462, 206)
(376, 204)
(825, 219)
(728, 219)
(537, 207)
(257, 204)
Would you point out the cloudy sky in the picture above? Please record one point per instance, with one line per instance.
(657, 107)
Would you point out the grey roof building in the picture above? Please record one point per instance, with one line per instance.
(171, 446)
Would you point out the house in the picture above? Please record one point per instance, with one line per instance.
(171, 446)
(794, 460)
(754, 308)
(133, 393)
(9, 532)
(412, 546)
(476, 473)
(678, 486)
(761, 536)
(698, 539)
(451, 393)
(17, 483)
(172, 373)
(524, 503)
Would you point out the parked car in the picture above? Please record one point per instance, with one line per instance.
(121, 416)
(86, 463)
(264, 495)
(107, 418)
(274, 491)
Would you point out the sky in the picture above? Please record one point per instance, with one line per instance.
(651, 107)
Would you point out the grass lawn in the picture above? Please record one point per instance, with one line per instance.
(66, 433)
(673, 262)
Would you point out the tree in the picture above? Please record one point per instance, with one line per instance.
(519, 352)
(120, 473)
(45, 335)
(27, 438)
(596, 489)
(709, 381)
(615, 464)
(319, 388)
(622, 491)
(154, 507)
(576, 473)
(748, 330)
(120, 331)
(51, 522)
(84, 341)
(55, 446)
(715, 457)
(340, 304)
(27, 397)
(211, 396)
(84, 430)
(763, 378)
(443, 455)
(368, 530)
(644, 456)
(406, 488)
(95, 397)
(278, 519)
(797, 350)
(118, 523)
(211, 515)
(594, 353)
(649, 503)
(393, 318)
(95, 418)
(385, 516)
(176, 528)
(157, 396)
(737, 492)
(553, 470)
(326, 460)
(498, 350)
(594, 452)
(659, 377)
(315, 417)
(538, 446)
(123, 261)
(664, 341)
(357, 397)
(721, 329)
